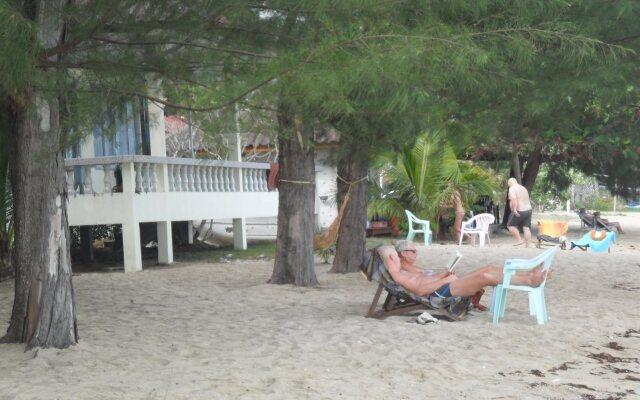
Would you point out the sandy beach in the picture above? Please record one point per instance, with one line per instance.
(219, 331)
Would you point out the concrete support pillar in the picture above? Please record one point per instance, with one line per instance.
(239, 224)
(190, 232)
(165, 244)
(131, 247)
(86, 243)
(239, 234)
(131, 228)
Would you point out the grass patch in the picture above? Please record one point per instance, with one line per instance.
(257, 251)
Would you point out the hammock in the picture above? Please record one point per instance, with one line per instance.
(325, 239)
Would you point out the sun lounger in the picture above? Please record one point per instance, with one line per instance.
(593, 221)
(594, 245)
(399, 300)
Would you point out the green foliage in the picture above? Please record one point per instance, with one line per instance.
(423, 177)
(17, 48)
(580, 111)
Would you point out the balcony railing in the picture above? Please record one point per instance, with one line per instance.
(144, 174)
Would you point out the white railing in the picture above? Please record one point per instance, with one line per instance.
(144, 174)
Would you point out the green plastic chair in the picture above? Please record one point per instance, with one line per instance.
(537, 305)
(417, 225)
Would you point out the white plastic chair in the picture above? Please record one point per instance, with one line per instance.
(478, 225)
(422, 227)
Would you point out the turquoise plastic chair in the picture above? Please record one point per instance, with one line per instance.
(537, 305)
(417, 225)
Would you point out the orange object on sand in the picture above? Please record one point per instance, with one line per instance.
(552, 232)
(598, 236)
(553, 228)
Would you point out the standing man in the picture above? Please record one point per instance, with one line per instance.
(520, 212)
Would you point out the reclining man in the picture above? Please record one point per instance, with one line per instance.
(400, 263)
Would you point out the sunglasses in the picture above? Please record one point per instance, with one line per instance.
(413, 251)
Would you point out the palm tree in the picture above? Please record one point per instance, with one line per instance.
(423, 178)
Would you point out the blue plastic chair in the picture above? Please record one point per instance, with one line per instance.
(537, 305)
(417, 225)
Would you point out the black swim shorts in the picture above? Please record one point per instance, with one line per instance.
(521, 221)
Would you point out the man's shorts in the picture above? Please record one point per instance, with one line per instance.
(443, 291)
(521, 221)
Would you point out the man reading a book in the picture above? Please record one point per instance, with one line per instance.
(400, 262)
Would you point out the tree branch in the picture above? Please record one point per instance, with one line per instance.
(164, 102)
(186, 44)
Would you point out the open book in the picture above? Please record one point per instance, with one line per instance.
(453, 260)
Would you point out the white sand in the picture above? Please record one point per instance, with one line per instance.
(218, 331)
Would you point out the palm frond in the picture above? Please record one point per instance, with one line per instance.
(424, 176)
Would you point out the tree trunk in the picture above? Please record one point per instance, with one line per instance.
(43, 310)
(507, 204)
(531, 169)
(351, 235)
(6, 269)
(294, 261)
(44, 313)
(516, 165)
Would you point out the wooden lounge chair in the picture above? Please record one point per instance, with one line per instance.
(594, 221)
(400, 301)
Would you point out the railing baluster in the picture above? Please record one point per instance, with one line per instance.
(259, 174)
(232, 180)
(183, 176)
(177, 181)
(217, 184)
(224, 184)
(144, 174)
(254, 180)
(71, 177)
(204, 185)
(203, 178)
(221, 179)
(191, 178)
(207, 172)
(245, 182)
(138, 168)
(154, 178)
(196, 178)
(248, 177)
(170, 177)
(107, 169)
(214, 176)
(264, 177)
(87, 184)
(227, 177)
